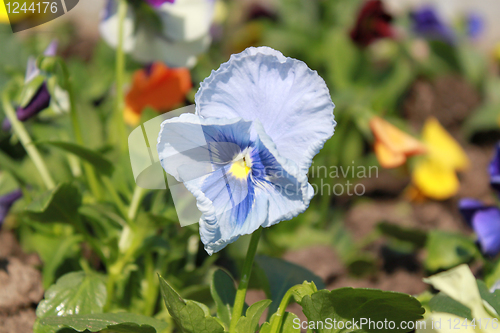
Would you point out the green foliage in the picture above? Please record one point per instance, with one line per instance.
(250, 322)
(58, 205)
(189, 316)
(446, 250)
(347, 304)
(283, 275)
(121, 322)
(74, 293)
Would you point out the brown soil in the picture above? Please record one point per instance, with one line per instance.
(20, 286)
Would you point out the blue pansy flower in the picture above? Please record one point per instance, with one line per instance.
(428, 24)
(485, 221)
(6, 202)
(494, 169)
(260, 119)
(474, 25)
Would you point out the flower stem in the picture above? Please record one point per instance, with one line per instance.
(280, 313)
(120, 69)
(25, 139)
(239, 301)
(134, 204)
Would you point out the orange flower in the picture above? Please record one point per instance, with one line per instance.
(393, 146)
(160, 88)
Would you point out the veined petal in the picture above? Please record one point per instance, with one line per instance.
(290, 100)
(486, 224)
(234, 170)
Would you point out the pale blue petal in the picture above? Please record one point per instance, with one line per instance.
(273, 191)
(290, 100)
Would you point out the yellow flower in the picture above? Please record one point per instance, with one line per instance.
(435, 174)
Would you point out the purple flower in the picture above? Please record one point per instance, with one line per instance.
(428, 24)
(474, 25)
(6, 203)
(41, 99)
(39, 102)
(485, 221)
(494, 169)
(158, 3)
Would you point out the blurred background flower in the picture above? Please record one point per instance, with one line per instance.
(158, 87)
(373, 23)
(6, 202)
(172, 32)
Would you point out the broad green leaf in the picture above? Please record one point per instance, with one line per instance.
(190, 316)
(414, 236)
(57, 205)
(443, 303)
(290, 324)
(484, 118)
(358, 305)
(116, 322)
(282, 275)
(73, 293)
(100, 163)
(446, 250)
(250, 322)
(223, 292)
(493, 299)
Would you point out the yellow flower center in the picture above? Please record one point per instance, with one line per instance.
(241, 167)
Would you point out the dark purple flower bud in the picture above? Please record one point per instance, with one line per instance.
(494, 169)
(486, 225)
(428, 24)
(373, 23)
(39, 102)
(6, 203)
(158, 3)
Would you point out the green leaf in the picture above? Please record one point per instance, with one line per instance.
(348, 304)
(290, 324)
(190, 316)
(492, 299)
(446, 250)
(57, 205)
(414, 236)
(250, 322)
(100, 163)
(223, 292)
(73, 293)
(282, 275)
(117, 322)
(443, 303)
(305, 289)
